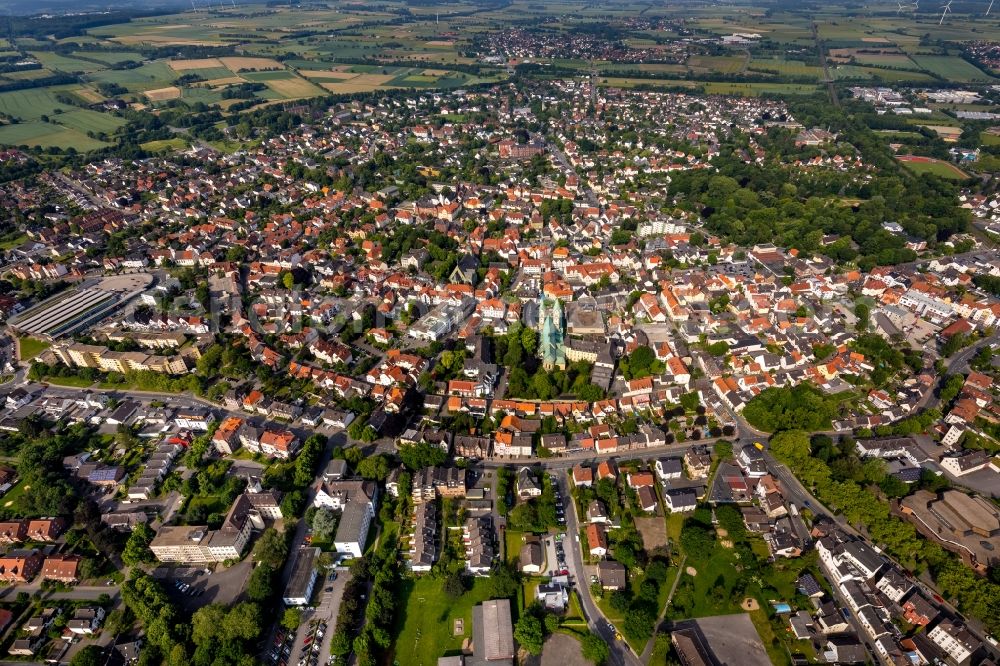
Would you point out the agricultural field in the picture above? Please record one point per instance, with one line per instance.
(150, 76)
(720, 64)
(755, 89)
(345, 48)
(54, 61)
(786, 67)
(45, 135)
(841, 72)
(89, 121)
(951, 68)
(32, 103)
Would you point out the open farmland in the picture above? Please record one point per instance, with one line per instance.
(250, 64)
(89, 121)
(721, 64)
(32, 103)
(786, 67)
(345, 48)
(291, 86)
(194, 64)
(65, 64)
(950, 68)
(46, 135)
(163, 94)
(148, 77)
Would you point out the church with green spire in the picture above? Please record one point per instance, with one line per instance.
(551, 334)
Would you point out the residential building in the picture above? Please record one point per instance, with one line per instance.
(956, 641)
(20, 565)
(357, 500)
(62, 568)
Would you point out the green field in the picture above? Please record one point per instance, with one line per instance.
(787, 67)
(754, 89)
(951, 68)
(28, 74)
(75, 382)
(165, 144)
(209, 73)
(720, 64)
(64, 64)
(886, 59)
(937, 168)
(31, 347)
(150, 76)
(425, 619)
(878, 73)
(277, 75)
(110, 57)
(88, 121)
(45, 135)
(32, 103)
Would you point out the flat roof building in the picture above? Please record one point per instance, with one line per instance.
(492, 634)
(66, 313)
(303, 579)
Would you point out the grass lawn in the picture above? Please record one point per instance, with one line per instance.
(513, 540)
(177, 143)
(210, 503)
(426, 620)
(8, 500)
(75, 382)
(675, 521)
(661, 649)
(14, 239)
(575, 611)
(32, 347)
(775, 650)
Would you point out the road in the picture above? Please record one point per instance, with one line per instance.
(80, 189)
(560, 157)
(78, 593)
(621, 654)
(827, 79)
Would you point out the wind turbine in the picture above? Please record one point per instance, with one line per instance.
(989, 8)
(902, 6)
(945, 10)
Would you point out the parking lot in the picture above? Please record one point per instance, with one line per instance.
(280, 649)
(193, 588)
(311, 643)
(555, 553)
